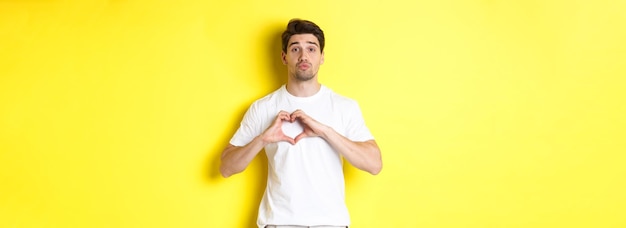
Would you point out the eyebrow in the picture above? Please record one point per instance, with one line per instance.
(309, 42)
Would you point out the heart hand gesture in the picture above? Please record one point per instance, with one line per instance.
(310, 128)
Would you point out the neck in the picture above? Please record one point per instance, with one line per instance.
(303, 88)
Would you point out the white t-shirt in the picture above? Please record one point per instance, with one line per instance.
(305, 184)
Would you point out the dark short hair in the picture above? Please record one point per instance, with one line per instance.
(299, 26)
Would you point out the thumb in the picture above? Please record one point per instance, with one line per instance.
(289, 139)
(300, 136)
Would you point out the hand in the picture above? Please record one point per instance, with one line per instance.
(312, 128)
(275, 132)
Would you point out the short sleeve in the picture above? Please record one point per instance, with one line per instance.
(356, 130)
(249, 127)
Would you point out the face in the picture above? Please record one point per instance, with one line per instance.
(303, 57)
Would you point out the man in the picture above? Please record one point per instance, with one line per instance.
(306, 130)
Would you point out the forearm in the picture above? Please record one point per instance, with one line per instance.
(362, 155)
(235, 159)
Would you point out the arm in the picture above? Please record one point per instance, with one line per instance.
(362, 155)
(235, 159)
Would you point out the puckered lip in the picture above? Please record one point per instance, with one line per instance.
(304, 66)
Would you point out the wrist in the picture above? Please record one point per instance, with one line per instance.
(262, 139)
(327, 131)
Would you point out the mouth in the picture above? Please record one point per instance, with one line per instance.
(304, 66)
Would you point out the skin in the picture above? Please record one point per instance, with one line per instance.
(303, 59)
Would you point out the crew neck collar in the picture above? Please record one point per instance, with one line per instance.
(322, 89)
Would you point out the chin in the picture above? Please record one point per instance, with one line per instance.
(304, 78)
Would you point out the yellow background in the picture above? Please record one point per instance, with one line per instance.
(489, 113)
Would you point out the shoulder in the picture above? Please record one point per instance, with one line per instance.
(341, 100)
(269, 100)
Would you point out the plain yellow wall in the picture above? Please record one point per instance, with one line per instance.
(489, 113)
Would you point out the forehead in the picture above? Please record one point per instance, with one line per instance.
(303, 39)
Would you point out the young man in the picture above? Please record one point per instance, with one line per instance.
(306, 130)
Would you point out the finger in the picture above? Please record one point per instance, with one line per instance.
(283, 115)
(289, 140)
(300, 112)
(278, 120)
(300, 136)
(297, 114)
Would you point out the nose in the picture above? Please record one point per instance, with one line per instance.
(304, 57)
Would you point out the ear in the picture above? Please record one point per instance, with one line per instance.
(283, 57)
(322, 59)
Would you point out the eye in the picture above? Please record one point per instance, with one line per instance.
(311, 49)
(295, 49)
